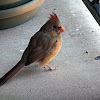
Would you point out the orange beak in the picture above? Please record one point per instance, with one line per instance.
(61, 30)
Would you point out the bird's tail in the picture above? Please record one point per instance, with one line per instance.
(12, 72)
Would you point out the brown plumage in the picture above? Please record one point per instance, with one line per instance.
(42, 48)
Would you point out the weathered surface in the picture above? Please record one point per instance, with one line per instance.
(77, 74)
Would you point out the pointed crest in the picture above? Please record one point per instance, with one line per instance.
(54, 16)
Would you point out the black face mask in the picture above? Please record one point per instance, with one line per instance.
(55, 28)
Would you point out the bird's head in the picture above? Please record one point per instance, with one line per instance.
(53, 25)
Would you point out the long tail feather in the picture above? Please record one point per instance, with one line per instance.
(12, 72)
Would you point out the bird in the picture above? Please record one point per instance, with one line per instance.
(43, 46)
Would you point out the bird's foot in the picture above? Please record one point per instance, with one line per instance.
(50, 69)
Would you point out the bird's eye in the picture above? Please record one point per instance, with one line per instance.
(54, 26)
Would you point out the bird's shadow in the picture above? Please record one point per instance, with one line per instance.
(27, 71)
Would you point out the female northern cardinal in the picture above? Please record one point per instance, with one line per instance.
(43, 47)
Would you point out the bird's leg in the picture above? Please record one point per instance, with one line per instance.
(50, 69)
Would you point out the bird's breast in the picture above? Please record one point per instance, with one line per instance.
(55, 48)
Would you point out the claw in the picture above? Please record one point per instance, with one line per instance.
(50, 69)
